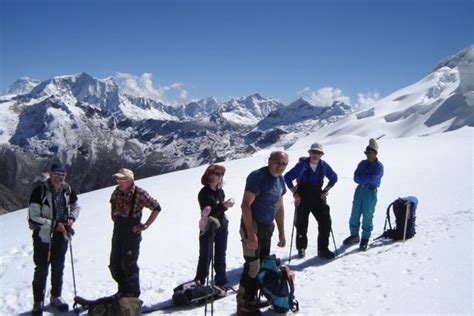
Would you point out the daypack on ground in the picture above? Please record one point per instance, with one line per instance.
(401, 207)
(110, 306)
(276, 285)
(193, 292)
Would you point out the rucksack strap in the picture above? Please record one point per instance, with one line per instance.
(293, 303)
(388, 217)
(132, 207)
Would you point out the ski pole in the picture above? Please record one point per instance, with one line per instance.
(210, 258)
(292, 233)
(72, 267)
(68, 235)
(406, 220)
(334, 241)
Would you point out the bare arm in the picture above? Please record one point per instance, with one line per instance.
(149, 221)
(248, 199)
(280, 221)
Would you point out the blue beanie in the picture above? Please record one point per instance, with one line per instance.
(57, 167)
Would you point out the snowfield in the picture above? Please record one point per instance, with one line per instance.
(429, 274)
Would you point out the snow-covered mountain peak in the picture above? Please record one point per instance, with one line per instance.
(23, 86)
(463, 58)
(81, 86)
(249, 110)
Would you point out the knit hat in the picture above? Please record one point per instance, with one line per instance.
(317, 146)
(373, 145)
(57, 167)
(125, 173)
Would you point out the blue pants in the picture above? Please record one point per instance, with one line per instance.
(363, 205)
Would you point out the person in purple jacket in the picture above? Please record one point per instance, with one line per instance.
(368, 175)
(310, 197)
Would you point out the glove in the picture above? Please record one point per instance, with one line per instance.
(204, 218)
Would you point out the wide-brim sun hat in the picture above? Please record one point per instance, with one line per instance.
(316, 147)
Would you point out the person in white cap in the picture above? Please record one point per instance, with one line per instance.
(127, 202)
(310, 197)
(368, 175)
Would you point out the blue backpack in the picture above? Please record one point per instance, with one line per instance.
(276, 286)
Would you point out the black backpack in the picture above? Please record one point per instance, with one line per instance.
(401, 207)
(193, 292)
(276, 285)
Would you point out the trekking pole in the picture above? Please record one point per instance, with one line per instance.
(292, 233)
(406, 220)
(334, 241)
(72, 263)
(211, 260)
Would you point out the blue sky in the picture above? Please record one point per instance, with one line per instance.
(196, 49)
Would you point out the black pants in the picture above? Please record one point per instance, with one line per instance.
(213, 244)
(56, 259)
(248, 283)
(311, 203)
(124, 256)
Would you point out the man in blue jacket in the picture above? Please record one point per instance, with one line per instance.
(368, 175)
(309, 196)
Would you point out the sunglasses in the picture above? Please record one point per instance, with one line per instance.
(315, 152)
(121, 179)
(369, 152)
(59, 174)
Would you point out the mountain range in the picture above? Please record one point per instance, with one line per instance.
(95, 128)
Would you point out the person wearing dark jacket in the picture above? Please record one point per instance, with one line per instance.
(213, 226)
(310, 197)
(368, 176)
(52, 211)
(127, 203)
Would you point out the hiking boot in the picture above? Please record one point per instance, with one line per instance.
(363, 244)
(59, 303)
(247, 310)
(326, 253)
(221, 290)
(351, 240)
(37, 308)
(301, 253)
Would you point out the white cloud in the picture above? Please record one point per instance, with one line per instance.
(142, 86)
(324, 96)
(367, 99)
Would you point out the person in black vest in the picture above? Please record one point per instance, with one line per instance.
(127, 203)
(52, 211)
(309, 197)
(213, 226)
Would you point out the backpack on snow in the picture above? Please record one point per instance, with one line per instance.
(110, 306)
(193, 292)
(404, 226)
(276, 285)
